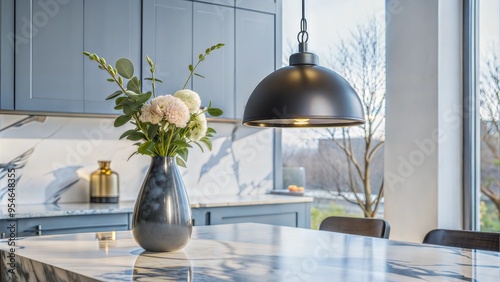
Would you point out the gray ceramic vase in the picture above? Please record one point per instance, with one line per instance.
(162, 213)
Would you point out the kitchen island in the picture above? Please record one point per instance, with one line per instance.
(243, 252)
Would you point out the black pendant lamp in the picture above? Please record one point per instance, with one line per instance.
(303, 94)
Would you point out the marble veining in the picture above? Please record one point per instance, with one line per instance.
(248, 252)
(54, 160)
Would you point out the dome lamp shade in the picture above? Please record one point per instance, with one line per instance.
(303, 94)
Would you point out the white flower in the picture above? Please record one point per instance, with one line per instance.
(198, 127)
(148, 115)
(172, 109)
(190, 98)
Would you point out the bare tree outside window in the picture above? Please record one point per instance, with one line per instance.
(348, 162)
(361, 60)
(489, 100)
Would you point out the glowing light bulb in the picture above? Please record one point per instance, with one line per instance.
(301, 121)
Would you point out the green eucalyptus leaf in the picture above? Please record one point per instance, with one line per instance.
(155, 79)
(86, 53)
(114, 95)
(180, 162)
(199, 146)
(207, 142)
(152, 131)
(134, 84)
(197, 74)
(181, 144)
(146, 148)
(131, 94)
(119, 100)
(125, 68)
(127, 133)
(143, 98)
(183, 153)
(211, 132)
(215, 112)
(131, 109)
(121, 120)
(136, 136)
(134, 153)
(191, 68)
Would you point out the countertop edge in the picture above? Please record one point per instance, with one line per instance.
(75, 209)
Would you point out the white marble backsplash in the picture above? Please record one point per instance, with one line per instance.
(55, 157)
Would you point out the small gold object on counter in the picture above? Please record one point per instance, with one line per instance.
(104, 184)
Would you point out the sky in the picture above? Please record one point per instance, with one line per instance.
(327, 21)
(489, 23)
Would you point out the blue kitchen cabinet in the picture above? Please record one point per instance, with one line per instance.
(167, 39)
(51, 73)
(37, 226)
(256, 52)
(267, 6)
(49, 68)
(214, 24)
(8, 228)
(292, 214)
(112, 30)
(175, 32)
(7, 46)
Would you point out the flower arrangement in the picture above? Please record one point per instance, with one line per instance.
(165, 125)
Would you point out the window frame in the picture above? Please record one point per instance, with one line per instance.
(471, 123)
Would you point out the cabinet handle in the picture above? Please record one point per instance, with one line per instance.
(38, 231)
(2, 235)
(207, 218)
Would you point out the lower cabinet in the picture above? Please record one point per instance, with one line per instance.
(37, 226)
(294, 215)
(8, 228)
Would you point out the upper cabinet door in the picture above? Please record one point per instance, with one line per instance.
(255, 53)
(49, 62)
(214, 24)
(7, 46)
(112, 29)
(167, 40)
(268, 6)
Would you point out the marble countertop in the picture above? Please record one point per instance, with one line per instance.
(243, 252)
(41, 210)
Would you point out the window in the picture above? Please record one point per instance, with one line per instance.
(348, 37)
(488, 99)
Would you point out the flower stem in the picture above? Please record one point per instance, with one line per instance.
(191, 74)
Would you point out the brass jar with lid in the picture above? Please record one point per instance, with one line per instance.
(104, 184)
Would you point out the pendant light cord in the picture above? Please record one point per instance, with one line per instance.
(303, 36)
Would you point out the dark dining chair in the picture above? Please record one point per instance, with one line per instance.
(489, 241)
(372, 227)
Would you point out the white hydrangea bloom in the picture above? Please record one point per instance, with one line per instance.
(190, 98)
(172, 109)
(198, 127)
(148, 115)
